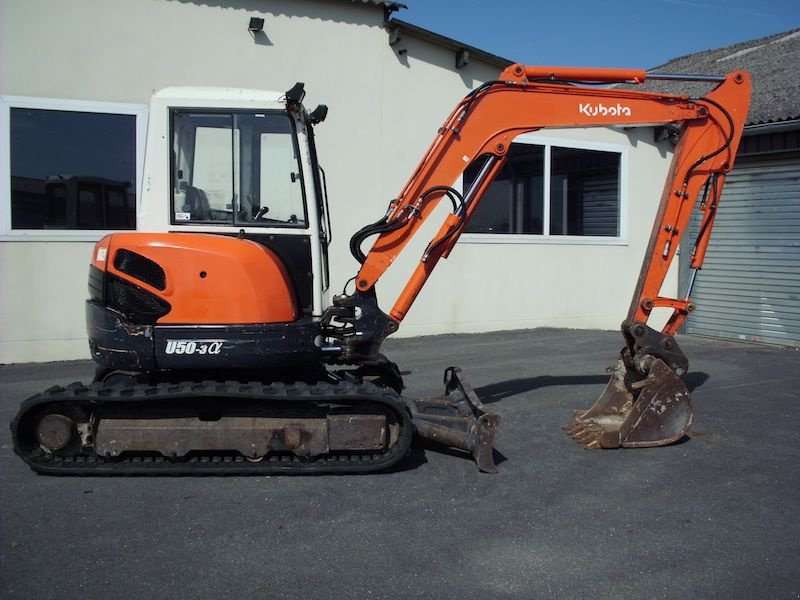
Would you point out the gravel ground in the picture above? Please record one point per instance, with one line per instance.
(712, 517)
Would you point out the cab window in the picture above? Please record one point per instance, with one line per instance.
(236, 168)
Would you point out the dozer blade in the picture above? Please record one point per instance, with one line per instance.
(654, 411)
(457, 419)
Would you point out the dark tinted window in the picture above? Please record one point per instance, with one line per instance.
(72, 170)
(584, 193)
(514, 202)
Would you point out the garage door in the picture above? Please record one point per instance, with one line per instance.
(749, 287)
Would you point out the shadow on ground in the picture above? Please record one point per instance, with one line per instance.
(494, 392)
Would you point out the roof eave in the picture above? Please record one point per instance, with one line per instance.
(449, 43)
(789, 124)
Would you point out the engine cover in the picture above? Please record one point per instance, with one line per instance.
(194, 279)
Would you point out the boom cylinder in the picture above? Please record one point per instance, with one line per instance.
(577, 74)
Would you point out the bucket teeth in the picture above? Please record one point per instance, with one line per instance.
(575, 425)
(574, 428)
(590, 434)
(585, 433)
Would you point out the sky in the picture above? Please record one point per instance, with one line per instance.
(601, 33)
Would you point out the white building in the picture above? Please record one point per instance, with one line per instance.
(75, 83)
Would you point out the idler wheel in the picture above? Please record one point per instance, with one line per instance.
(54, 431)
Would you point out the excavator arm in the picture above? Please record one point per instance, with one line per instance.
(646, 403)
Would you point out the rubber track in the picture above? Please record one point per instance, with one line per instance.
(95, 396)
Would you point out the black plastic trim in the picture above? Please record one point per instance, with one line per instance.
(236, 347)
(97, 284)
(115, 342)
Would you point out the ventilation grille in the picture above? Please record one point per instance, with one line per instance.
(134, 302)
(140, 267)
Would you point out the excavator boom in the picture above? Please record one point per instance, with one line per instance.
(486, 122)
(646, 403)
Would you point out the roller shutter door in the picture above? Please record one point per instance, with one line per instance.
(749, 287)
(601, 207)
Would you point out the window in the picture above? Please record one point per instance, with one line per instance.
(552, 192)
(72, 166)
(236, 169)
(584, 192)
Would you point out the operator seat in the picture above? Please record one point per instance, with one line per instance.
(197, 204)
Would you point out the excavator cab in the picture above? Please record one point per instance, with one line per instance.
(231, 271)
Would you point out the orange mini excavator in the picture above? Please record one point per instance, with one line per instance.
(216, 352)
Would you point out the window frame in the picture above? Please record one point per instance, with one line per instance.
(284, 227)
(548, 142)
(7, 234)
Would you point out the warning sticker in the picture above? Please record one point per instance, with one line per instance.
(183, 216)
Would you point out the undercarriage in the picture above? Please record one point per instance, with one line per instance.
(212, 427)
(231, 427)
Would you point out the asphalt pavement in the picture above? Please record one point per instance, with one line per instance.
(715, 516)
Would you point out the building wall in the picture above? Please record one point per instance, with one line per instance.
(385, 108)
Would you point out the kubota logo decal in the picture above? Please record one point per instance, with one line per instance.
(601, 110)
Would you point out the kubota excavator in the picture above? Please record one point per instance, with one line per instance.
(215, 351)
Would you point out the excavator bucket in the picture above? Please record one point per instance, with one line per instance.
(636, 412)
(457, 419)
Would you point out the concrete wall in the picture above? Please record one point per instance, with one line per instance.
(384, 109)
